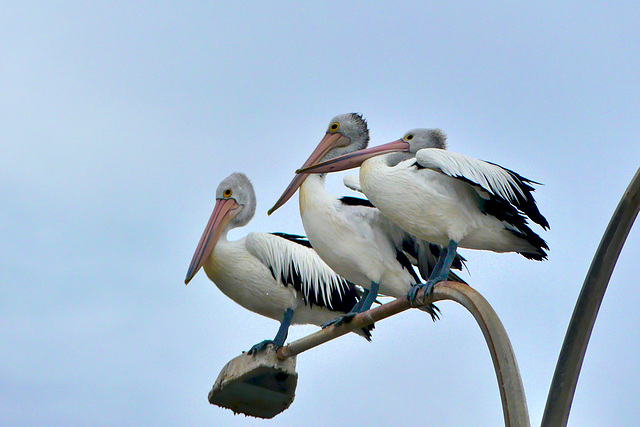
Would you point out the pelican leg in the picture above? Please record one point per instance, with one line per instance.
(370, 297)
(358, 306)
(355, 310)
(440, 272)
(364, 304)
(281, 335)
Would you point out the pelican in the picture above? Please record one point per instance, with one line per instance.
(350, 234)
(446, 198)
(276, 275)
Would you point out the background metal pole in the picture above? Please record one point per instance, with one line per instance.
(565, 378)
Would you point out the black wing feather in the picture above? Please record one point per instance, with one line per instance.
(295, 238)
(342, 299)
(356, 201)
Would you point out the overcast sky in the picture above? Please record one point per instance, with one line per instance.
(119, 119)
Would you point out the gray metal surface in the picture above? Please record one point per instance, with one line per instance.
(565, 378)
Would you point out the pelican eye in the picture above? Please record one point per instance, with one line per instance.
(227, 193)
(334, 126)
(408, 137)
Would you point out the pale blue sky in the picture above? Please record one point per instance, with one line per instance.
(119, 119)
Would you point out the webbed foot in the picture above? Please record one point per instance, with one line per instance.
(422, 304)
(261, 346)
(344, 318)
(415, 289)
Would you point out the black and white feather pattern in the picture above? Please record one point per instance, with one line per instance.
(420, 253)
(410, 251)
(296, 238)
(488, 178)
(295, 264)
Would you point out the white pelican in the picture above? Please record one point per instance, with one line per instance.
(276, 275)
(350, 234)
(446, 198)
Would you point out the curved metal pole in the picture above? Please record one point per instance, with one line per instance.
(514, 404)
(565, 377)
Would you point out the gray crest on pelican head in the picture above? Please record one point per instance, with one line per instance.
(238, 187)
(425, 138)
(419, 139)
(352, 126)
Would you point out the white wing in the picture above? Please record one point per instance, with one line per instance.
(299, 266)
(488, 179)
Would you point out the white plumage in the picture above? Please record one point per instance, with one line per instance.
(487, 176)
(353, 240)
(286, 259)
(441, 196)
(350, 234)
(446, 198)
(352, 182)
(276, 275)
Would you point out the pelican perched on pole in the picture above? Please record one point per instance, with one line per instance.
(350, 234)
(446, 198)
(276, 275)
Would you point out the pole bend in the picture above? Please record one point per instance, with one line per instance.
(514, 404)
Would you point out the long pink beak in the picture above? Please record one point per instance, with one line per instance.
(224, 210)
(329, 141)
(355, 159)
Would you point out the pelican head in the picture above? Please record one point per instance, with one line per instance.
(235, 206)
(403, 148)
(345, 134)
(424, 138)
